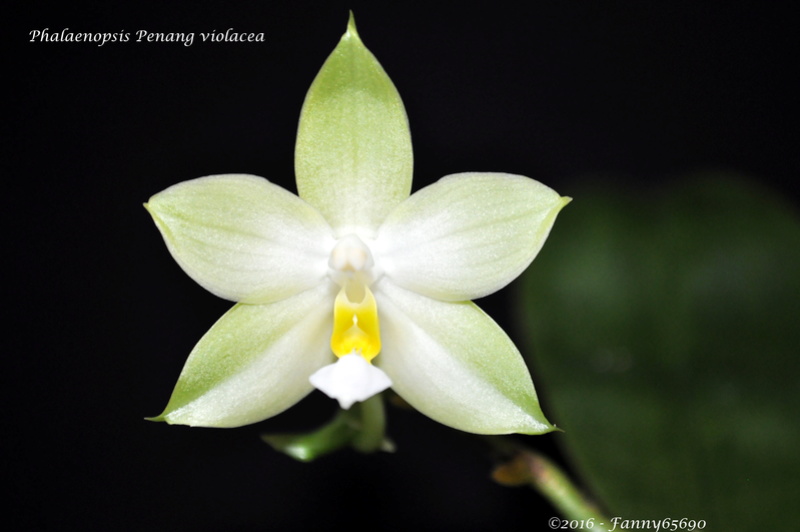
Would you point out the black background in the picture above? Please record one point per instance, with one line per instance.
(100, 319)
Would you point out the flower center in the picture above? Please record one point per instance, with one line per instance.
(356, 337)
(355, 311)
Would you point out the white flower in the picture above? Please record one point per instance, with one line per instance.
(354, 286)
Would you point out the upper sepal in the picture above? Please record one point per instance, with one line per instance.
(353, 156)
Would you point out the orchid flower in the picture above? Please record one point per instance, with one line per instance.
(355, 286)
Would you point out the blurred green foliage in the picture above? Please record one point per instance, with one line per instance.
(663, 331)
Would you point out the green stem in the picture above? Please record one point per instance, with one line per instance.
(371, 417)
(529, 467)
(309, 446)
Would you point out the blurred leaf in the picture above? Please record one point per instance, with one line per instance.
(665, 333)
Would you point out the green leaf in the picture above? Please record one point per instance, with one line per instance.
(664, 331)
(353, 156)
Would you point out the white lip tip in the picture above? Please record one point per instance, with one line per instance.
(350, 379)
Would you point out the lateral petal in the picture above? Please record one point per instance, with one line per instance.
(467, 235)
(454, 364)
(242, 237)
(254, 362)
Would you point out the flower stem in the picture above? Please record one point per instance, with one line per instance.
(372, 420)
(527, 466)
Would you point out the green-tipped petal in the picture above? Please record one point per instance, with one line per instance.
(243, 238)
(454, 364)
(467, 235)
(254, 362)
(353, 156)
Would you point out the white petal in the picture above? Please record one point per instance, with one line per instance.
(254, 362)
(350, 379)
(467, 235)
(451, 362)
(243, 238)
